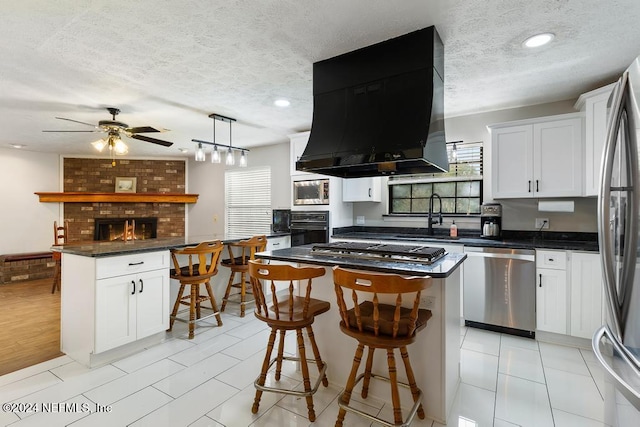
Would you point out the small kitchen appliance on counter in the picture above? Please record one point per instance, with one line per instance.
(281, 221)
(491, 220)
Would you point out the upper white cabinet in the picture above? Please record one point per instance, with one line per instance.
(594, 106)
(296, 148)
(537, 158)
(362, 189)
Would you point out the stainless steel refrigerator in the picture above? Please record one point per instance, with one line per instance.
(617, 343)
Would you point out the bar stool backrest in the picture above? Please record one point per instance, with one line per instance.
(366, 313)
(248, 249)
(60, 234)
(201, 260)
(295, 308)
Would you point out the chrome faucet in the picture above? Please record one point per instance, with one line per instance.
(430, 220)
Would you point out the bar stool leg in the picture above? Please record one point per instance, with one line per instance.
(316, 354)
(243, 292)
(228, 291)
(395, 395)
(280, 355)
(265, 367)
(367, 373)
(192, 309)
(214, 305)
(176, 305)
(305, 375)
(346, 395)
(415, 391)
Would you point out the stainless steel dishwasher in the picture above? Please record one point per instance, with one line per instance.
(499, 291)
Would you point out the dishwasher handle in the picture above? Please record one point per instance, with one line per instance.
(521, 257)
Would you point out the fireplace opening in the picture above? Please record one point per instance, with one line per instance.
(107, 229)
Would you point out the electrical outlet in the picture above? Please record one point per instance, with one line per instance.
(542, 223)
(427, 301)
(360, 220)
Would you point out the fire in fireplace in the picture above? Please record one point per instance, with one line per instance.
(113, 228)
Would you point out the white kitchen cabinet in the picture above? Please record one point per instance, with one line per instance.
(537, 158)
(368, 189)
(594, 106)
(280, 242)
(131, 307)
(586, 294)
(551, 291)
(296, 149)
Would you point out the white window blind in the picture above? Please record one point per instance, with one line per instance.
(247, 201)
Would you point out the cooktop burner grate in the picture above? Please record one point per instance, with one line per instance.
(423, 254)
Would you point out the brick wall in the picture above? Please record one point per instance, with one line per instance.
(97, 175)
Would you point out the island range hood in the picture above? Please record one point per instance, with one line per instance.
(379, 110)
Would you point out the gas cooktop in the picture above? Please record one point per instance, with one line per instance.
(386, 252)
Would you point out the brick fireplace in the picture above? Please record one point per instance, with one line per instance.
(97, 175)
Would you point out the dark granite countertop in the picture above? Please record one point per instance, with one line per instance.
(101, 249)
(302, 254)
(509, 239)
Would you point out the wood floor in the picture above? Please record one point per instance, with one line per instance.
(29, 324)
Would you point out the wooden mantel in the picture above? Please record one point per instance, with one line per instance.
(82, 196)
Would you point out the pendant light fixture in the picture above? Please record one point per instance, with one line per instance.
(215, 153)
(200, 153)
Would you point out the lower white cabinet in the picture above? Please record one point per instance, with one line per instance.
(551, 291)
(569, 294)
(131, 307)
(280, 242)
(586, 294)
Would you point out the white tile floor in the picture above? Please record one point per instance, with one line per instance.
(208, 381)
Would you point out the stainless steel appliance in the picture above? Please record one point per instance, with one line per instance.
(380, 251)
(311, 192)
(491, 220)
(616, 344)
(309, 227)
(281, 221)
(500, 290)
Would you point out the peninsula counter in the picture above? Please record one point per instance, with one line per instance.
(435, 355)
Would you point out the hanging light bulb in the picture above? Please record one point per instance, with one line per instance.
(215, 155)
(454, 153)
(99, 144)
(199, 153)
(120, 147)
(243, 160)
(231, 160)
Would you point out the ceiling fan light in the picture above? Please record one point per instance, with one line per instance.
(243, 160)
(99, 144)
(120, 147)
(199, 153)
(215, 155)
(231, 160)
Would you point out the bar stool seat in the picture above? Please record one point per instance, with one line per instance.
(239, 263)
(285, 313)
(207, 256)
(380, 322)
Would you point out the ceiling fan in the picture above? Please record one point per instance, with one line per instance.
(113, 129)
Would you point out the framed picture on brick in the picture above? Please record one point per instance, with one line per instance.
(125, 184)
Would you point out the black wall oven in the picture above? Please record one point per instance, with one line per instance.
(309, 227)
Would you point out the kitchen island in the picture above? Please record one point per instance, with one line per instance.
(435, 354)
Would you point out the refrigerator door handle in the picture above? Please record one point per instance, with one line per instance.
(632, 395)
(604, 210)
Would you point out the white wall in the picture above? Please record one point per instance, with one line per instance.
(27, 224)
(517, 214)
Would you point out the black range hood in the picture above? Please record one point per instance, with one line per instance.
(379, 110)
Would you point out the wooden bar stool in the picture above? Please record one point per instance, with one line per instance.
(240, 264)
(376, 324)
(60, 235)
(207, 256)
(288, 312)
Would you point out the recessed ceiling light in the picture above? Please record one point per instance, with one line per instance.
(281, 103)
(538, 40)
(183, 150)
(17, 145)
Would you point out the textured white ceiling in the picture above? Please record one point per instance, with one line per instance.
(172, 63)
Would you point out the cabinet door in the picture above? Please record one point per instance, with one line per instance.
(512, 162)
(551, 300)
(586, 294)
(115, 312)
(594, 138)
(362, 189)
(152, 294)
(281, 242)
(296, 149)
(557, 158)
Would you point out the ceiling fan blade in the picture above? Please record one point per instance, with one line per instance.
(77, 121)
(82, 131)
(144, 129)
(152, 140)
